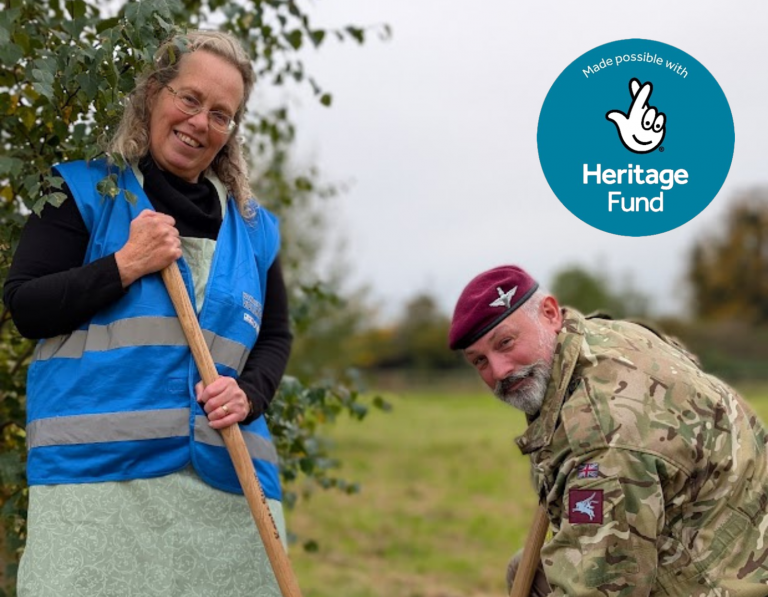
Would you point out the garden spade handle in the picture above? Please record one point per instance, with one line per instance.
(233, 438)
(521, 586)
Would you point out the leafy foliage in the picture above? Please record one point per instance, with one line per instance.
(588, 292)
(65, 69)
(420, 340)
(728, 268)
(65, 72)
(416, 343)
(14, 355)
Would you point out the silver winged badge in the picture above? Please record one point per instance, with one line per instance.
(505, 298)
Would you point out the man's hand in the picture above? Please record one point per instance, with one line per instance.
(644, 128)
(540, 586)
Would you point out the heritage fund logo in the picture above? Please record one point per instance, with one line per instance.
(644, 162)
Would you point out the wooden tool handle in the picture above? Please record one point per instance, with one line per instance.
(521, 587)
(233, 438)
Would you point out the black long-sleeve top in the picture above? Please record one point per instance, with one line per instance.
(50, 292)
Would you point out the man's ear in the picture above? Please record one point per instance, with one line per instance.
(550, 311)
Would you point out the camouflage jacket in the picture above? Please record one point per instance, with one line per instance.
(655, 474)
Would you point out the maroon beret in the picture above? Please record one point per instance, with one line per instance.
(486, 301)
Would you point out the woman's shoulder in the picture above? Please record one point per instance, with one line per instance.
(91, 172)
(255, 214)
(263, 230)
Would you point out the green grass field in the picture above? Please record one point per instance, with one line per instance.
(445, 501)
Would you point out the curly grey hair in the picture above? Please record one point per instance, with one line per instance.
(131, 140)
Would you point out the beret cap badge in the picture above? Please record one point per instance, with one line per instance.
(504, 297)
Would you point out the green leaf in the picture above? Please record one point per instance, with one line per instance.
(303, 184)
(42, 76)
(91, 151)
(10, 54)
(28, 118)
(356, 33)
(8, 18)
(89, 83)
(317, 37)
(105, 24)
(54, 181)
(32, 184)
(326, 99)
(294, 38)
(10, 166)
(107, 187)
(130, 197)
(22, 39)
(44, 71)
(358, 410)
(44, 89)
(75, 8)
(167, 8)
(75, 26)
(382, 404)
(38, 205)
(164, 25)
(60, 129)
(78, 133)
(132, 11)
(56, 199)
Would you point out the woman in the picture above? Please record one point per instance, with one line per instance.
(131, 489)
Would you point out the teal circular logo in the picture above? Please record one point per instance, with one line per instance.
(635, 137)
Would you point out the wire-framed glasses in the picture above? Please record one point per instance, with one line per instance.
(189, 104)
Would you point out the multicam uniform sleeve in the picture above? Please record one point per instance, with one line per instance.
(612, 508)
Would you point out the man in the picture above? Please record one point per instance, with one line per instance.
(654, 474)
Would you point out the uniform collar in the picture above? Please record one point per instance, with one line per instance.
(542, 426)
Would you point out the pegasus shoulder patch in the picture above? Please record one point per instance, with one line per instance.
(585, 506)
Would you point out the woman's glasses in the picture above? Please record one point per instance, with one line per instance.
(189, 104)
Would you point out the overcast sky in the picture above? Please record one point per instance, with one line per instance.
(436, 130)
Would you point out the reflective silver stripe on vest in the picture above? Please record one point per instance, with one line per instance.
(138, 331)
(226, 351)
(108, 427)
(67, 346)
(258, 447)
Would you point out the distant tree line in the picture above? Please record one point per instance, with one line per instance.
(726, 324)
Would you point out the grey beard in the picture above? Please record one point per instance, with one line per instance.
(530, 396)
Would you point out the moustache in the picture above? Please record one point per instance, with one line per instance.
(505, 385)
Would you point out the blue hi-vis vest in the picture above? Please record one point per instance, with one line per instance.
(114, 399)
